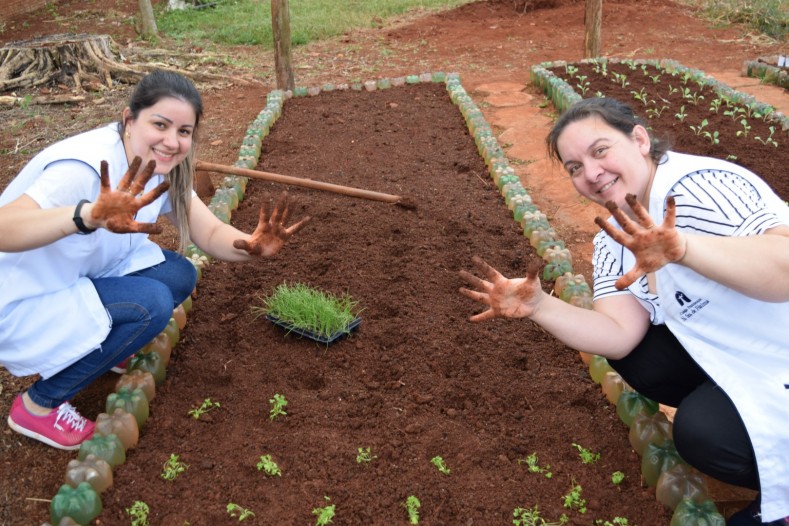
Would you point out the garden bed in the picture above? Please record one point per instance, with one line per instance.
(695, 113)
(416, 381)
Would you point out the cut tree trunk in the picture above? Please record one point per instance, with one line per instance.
(86, 61)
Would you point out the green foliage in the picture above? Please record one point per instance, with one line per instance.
(766, 16)
(325, 514)
(278, 404)
(531, 517)
(412, 506)
(617, 477)
(617, 521)
(573, 500)
(234, 510)
(534, 467)
(439, 463)
(205, 407)
(308, 308)
(139, 513)
(269, 466)
(172, 468)
(587, 456)
(364, 456)
(248, 22)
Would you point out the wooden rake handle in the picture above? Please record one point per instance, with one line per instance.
(297, 181)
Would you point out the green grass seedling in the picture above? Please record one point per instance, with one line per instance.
(307, 308)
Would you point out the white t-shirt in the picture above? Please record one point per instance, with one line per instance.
(742, 343)
(50, 313)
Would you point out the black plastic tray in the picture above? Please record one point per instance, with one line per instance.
(312, 335)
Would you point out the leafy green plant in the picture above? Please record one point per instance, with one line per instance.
(587, 456)
(531, 517)
(641, 96)
(617, 521)
(681, 115)
(570, 70)
(234, 510)
(715, 105)
(412, 506)
(268, 466)
(768, 140)
(307, 308)
(620, 78)
(656, 112)
(363, 456)
(139, 513)
(324, 514)
(583, 84)
(745, 128)
(278, 404)
(533, 466)
(698, 129)
(205, 407)
(173, 467)
(617, 477)
(439, 463)
(573, 500)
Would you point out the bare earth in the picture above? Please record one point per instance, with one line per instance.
(492, 47)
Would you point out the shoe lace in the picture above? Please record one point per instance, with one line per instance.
(68, 412)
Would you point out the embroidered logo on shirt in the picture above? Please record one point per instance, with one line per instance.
(693, 306)
(681, 298)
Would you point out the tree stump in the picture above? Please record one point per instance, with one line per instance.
(60, 59)
(86, 62)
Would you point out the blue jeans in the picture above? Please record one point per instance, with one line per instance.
(140, 305)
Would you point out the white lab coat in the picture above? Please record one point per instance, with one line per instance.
(50, 313)
(742, 343)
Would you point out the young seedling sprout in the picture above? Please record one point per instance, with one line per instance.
(587, 456)
(325, 514)
(534, 467)
(363, 456)
(439, 463)
(139, 513)
(573, 499)
(268, 466)
(617, 477)
(278, 404)
(412, 506)
(234, 510)
(172, 468)
(205, 407)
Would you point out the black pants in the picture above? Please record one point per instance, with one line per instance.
(708, 431)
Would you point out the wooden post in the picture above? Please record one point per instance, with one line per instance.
(280, 25)
(593, 21)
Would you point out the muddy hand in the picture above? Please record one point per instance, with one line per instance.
(653, 246)
(271, 233)
(505, 298)
(115, 209)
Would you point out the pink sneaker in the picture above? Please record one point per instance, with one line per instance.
(63, 427)
(121, 367)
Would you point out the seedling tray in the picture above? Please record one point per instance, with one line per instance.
(328, 340)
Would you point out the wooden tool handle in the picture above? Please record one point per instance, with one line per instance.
(297, 181)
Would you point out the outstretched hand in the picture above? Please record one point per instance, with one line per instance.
(505, 298)
(271, 233)
(115, 209)
(653, 246)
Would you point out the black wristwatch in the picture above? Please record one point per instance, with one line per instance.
(78, 219)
